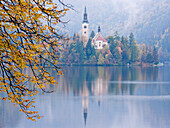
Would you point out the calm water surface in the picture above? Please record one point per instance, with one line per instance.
(100, 97)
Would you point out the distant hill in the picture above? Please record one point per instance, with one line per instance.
(149, 20)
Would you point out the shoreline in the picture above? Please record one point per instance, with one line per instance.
(110, 65)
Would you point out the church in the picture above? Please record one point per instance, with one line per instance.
(99, 42)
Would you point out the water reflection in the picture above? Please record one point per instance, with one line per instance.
(98, 97)
(7, 115)
(85, 102)
(106, 81)
(112, 81)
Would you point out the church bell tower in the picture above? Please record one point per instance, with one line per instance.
(85, 29)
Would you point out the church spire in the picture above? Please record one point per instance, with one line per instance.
(85, 16)
(85, 10)
(99, 29)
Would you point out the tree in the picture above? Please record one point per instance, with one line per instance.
(124, 42)
(149, 57)
(80, 51)
(116, 36)
(155, 55)
(117, 55)
(76, 37)
(131, 38)
(92, 35)
(113, 45)
(125, 50)
(143, 53)
(134, 48)
(27, 32)
(89, 49)
(101, 59)
(110, 39)
(125, 56)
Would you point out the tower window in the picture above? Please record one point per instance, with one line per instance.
(85, 26)
(84, 32)
(99, 44)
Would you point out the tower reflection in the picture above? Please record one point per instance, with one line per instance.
(85, 101)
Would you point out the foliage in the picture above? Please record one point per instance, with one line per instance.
(143, 53)
(149, 57)
(92, 34)
(131, 38)
(101, 59)
(155, 55)
(120, 51)
(28, 41)
(89, 50)
(113, 46)
(116, 36)
(134, 48)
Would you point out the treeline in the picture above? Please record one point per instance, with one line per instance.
(121, 51)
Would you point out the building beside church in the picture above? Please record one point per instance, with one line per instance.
(99, 42)
(85, 29)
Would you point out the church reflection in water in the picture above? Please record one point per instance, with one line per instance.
(85, 102)
(103, 81)
(83, 92)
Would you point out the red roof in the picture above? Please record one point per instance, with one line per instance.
(101, 38)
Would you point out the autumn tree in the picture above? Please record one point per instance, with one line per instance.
(27, 32)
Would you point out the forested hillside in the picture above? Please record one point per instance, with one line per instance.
(149, 20)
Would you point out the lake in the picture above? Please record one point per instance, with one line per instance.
(100, 97)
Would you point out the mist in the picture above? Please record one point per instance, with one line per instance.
(124, 16)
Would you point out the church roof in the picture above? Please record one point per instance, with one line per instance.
(101, 38)
(98, 37)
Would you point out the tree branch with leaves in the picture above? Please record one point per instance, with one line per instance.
(28, 41)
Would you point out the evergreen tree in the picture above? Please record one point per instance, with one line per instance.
(89, 49)
(124, 42)
(134, 48)
(155, 55)
(76, 37)
(116, 36)
(113, 45)
(125, 51)
(143, 53)
(81, 52)
(149, 57)
(93, 51)
(92, 35)
(125, 56)
(134, 51)
(131, 38)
